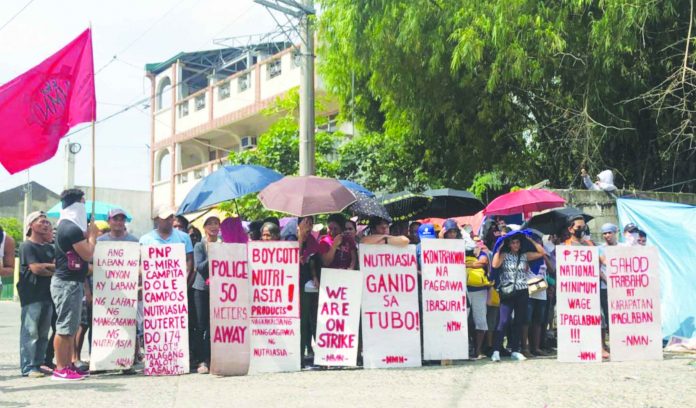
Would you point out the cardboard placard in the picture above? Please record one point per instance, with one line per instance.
(165, 307)
(579, 311)
(114, 302)
(633, 285)
(445, 325)
(275, 306)
(229, 309)
(390, 317)
(338, 318)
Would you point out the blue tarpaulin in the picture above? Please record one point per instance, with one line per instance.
(671, 228)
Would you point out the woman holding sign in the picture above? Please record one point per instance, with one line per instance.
(201, 294)
(511, 262)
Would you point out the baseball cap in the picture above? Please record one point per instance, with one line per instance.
(31, 217)
(609, 227)
(165, 212)
(426, 231)
(116, 211)
(630, 227)
(449, 225)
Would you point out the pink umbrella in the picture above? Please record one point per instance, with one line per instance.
(306, 195)
(524, 202)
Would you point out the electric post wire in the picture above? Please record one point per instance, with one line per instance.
(16, 14)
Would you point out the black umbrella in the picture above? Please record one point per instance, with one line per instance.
(366, 207)
(448, 203)
(405, 205)
(553, 221)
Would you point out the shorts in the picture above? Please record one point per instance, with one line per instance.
(479, 308)
(536, 311)
(67, 298)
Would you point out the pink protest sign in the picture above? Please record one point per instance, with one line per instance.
(633, 285)
(229, 308)
(115, 298)
(445, 328)
(390, 317)
(338, 318)
(579, 311)
(275, 306)
(165, 309)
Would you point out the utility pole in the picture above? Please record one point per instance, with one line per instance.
(71, 149)
(304, 11)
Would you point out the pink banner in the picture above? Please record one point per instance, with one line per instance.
(165, 307)
(229, 309)
(275, 306)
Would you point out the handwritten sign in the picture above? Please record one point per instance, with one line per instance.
(229, 309)
(390, 317)
(275, 306)
(338, 318)
(445, 325)
(633, 285)
(579, 310)
(114, 300)
(165, 309)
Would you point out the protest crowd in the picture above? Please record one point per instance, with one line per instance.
(509, 283)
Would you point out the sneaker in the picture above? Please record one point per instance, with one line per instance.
(203, 368)
(36, 374)
(66, 374)
(83, 371)
(518, 356)
(495, 356)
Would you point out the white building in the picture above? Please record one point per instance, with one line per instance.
(205, 104)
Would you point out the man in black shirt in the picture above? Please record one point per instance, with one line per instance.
(74, 246)
(36, 260)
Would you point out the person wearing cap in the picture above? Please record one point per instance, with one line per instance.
(74, 247)
(117, 228)
(36, 257)
(609, 232)
(201, 294)
(630, 235)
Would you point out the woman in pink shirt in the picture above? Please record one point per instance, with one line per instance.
(338, 249)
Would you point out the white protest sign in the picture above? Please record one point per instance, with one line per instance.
(390, 317)
(275, 306)
(114, 302)
(229, 308)
(445, 325)
(633, 285)
(165, 309)
(338, 317)
(579, 311)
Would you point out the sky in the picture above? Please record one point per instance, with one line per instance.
(136, 32)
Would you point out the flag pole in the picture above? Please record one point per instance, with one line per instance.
(94, 186)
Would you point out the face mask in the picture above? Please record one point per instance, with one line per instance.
(579, 233)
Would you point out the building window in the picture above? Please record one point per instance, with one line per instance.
(274, 68)
(183, 109)
(164, 94)
(200, 101)
(243, 82)
(331, 124)
(224, 90)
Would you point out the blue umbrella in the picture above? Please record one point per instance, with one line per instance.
(227, 183)
(355, 187)
(101, 210)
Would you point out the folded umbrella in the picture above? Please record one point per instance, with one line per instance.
(524, 202)
(366, 207)
(553, 221)
(405, 205)
(306, 195)
(227, 183)
(449, 203)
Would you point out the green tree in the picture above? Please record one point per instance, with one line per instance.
(13, 228)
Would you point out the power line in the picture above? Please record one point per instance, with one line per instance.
(16, 14)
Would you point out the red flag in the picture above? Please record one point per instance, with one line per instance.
(39, 107)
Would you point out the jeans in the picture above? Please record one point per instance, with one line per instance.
(33, 335)
(536, 311)
(518, 304)
(201, 299)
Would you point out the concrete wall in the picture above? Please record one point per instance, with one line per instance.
(137, 203)
(602, 206)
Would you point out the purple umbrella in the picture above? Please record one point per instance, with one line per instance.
(306, 195)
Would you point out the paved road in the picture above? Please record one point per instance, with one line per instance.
(536, 383)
